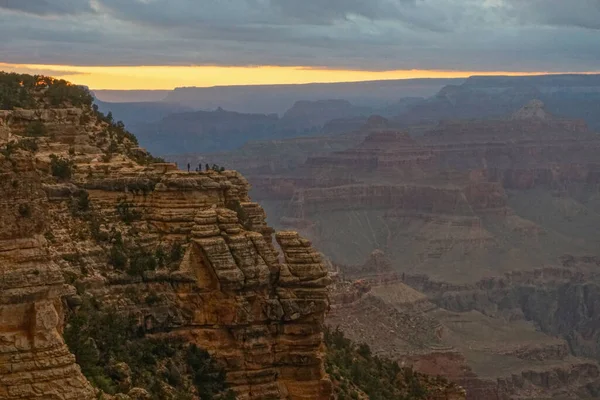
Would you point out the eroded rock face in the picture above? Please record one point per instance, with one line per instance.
(258, 313)
(35, 363)
(453, 331)
(231, 294)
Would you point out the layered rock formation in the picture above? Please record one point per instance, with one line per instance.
(314, 114)
(449, 335)
(80, 196)
(574, 96)
(476, 215)
(35, 363)
(451, 190)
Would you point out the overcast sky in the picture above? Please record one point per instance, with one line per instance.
(473, 35)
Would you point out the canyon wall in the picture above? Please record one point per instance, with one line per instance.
(258, 309)
(475, 335)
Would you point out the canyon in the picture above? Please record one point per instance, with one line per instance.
(479, 241)
(466, 249)
(123, 277)
(256, 308)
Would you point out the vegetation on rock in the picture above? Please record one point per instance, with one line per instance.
(116, 355)
(21, 90)
(356, 372)
(130, 336)
(25, 210)
(61, 167)
(127, 212)
(35, 129)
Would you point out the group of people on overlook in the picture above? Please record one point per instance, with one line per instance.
(214, 167)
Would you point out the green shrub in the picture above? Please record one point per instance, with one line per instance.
(113, 147)
(96, 232)
(152, 299)
(61, 92)
(85, 119)
(16, 91)
(49, 236)
(61, 168)
(19, 90)
(206, 383)
(160, 256)
(24, 144)
(126, 211)
(8, 149)
(144, 158)
(141, 261)
(81, 207)
(82, 200)
(73, 258)
(117, 257)
(27, 145)
(25, 210)
(176, 252)
(100, 339)
(381, 379)
(35, 129)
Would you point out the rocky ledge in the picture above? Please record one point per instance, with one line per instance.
(86, 214)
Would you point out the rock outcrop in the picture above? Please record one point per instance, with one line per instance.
(84, 212)
(35, 363)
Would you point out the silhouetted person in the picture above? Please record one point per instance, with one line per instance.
(188, 167)
(207, 167)
(200, 167)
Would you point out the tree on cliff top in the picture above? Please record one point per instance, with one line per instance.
(31, 91)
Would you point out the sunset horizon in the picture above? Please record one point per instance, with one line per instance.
(167, 77)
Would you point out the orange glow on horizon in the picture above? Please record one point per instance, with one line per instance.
(169, 77)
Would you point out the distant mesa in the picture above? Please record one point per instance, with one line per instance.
(535, 109)
(279, 98)
(377, 121)
(567, 96)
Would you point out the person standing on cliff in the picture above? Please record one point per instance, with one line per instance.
(188, 167)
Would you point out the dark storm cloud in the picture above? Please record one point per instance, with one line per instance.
(547, 35)
(316, 11)
(47, 7)
(576, 13)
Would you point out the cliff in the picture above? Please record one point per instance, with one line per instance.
(34, 360)
(87, 216)
(315, 114)
(573, 96)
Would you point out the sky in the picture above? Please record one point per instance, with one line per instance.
(161, 44)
